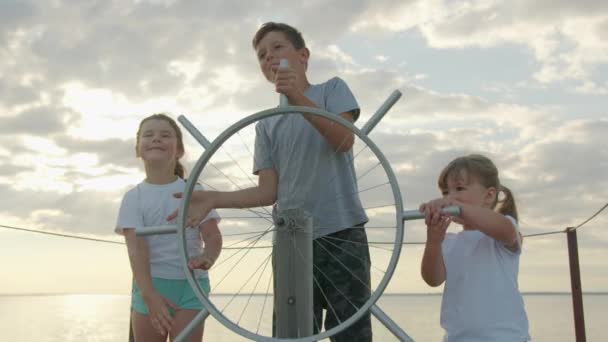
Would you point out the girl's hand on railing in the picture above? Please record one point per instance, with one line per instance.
(435, 233)
(436, 221)
(432, 210)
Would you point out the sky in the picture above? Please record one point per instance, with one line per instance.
(523, 82)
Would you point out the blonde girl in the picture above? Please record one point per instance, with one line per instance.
(480, 264)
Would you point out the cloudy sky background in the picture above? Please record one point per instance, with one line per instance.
(523, 82)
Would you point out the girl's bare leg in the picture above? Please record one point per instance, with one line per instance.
(143, 330)
(182, 319)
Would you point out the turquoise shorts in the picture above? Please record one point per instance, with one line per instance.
(178, 291)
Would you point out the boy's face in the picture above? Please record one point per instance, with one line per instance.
(274, 47)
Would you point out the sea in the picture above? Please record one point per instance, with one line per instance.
(86, 317)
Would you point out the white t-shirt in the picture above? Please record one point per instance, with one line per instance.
(481, 299)
(149, 205)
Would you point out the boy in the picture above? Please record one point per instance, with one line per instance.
(305, 161)
(323, 170)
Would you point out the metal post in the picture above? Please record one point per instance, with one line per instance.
(283, 101)
(292, 259)
(131, 336)
(194, 132)
(155, 230)
(575, 280)
(386, 106)
(194, 323)
(409, 215)
(390, 324)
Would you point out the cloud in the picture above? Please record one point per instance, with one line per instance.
(14, 14)
(116, 152)
(36, 121)
(566, 38)
(567, 169)
(13, 95)
(8, 170)
(74, 213)
(78, 76)
(394, 15)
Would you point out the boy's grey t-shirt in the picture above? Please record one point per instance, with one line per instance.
(311, 174)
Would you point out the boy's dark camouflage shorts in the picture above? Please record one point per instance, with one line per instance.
(342, 282)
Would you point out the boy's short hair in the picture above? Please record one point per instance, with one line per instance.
(293, 35)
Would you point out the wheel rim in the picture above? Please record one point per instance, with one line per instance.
(198, 169)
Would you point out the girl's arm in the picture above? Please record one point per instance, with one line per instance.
(433, 268)
(491, 223)
(137, 248)
(212, 238)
